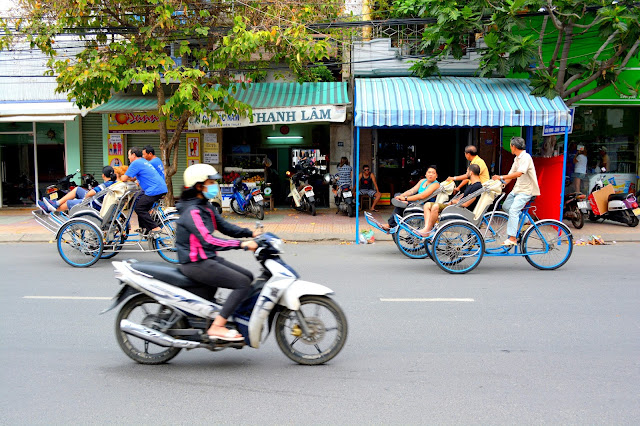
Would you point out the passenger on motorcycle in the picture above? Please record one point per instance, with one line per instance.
(197, 247)
(421, 191)
(77, 194)
(432, 210)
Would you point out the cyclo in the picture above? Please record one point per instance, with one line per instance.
(413, 216)
(462, 237)
(85, 235)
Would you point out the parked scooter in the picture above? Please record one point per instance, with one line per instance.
(245, 201)
(88, 181)
(621, 208)
(302, 196)
(166, 311)
(345, 202)
(61, 187)
(575, 208)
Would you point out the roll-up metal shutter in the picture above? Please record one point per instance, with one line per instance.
(92, 148)
(140, 140)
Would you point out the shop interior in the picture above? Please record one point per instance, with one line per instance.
(245, 149)
(17, 166)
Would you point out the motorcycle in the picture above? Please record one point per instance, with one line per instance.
(345, 202)
(245, 201)
(575, 208)
(164, 311)
(61, 187)
(88, 181)
(621, 208)
(302, 195)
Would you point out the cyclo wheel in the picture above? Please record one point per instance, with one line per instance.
(114, 241)
(409, 245)
(328, 326)
(79, 243)
(496, 233)
(457, 247)
(165, 241)
(144, 310)
(549, 242)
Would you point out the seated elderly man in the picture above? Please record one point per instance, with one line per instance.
(432, 210)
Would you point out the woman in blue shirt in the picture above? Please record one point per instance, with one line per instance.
(421, 191)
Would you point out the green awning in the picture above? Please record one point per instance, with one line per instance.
(258, 95)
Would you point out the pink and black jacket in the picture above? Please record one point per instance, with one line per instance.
(194, 239)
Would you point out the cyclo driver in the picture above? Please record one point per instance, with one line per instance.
(197, 247)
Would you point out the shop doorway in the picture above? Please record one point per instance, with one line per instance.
(403, 155)
(18, 168)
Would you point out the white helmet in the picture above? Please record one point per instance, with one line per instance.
(198, 173)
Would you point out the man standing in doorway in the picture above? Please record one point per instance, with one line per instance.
(471, 154)
(525, 188)
(149, 154)
(151, 183)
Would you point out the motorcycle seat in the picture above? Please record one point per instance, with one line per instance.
(167, 273)
(617, 197)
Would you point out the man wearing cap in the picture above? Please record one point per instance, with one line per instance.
(604, 159)
(579, 168)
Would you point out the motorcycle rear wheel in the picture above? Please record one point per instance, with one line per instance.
(312, 208)
(350, 211)
(328, 326)
(258, 210)
(577, 218)
(633, 222)
(144, 310)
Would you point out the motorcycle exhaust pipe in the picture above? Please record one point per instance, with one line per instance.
(154, 336)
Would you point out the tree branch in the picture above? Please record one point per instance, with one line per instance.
(604, 45)
(541, 39)
(562, 71)
(581, 96)
(554, 57)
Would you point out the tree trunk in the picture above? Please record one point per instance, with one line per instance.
(549, 146)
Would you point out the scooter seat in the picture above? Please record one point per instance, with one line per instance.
(167, 273)
(617, 197)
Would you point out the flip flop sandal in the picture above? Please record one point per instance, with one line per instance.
(229, 336)
(374, 210)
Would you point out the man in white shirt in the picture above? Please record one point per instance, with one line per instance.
(525, 188)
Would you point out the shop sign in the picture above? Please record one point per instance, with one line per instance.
(261, 117)
(559, 130)
(138, 122)
(116, 143)
(211, 149)
(193, 148)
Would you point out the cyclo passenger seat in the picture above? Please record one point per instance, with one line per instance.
(489, 191)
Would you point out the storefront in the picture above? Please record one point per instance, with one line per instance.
(289, 121)
(39, 144)
(438, 116)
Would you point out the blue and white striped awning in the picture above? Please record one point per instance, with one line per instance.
(453, 101)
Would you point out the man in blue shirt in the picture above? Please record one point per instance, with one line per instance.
(149, 154)
(151, 183)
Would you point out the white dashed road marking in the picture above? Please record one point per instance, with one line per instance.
(437, 299)
(68, 297)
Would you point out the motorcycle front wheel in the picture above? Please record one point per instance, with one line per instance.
(327, 326)
(145, 311)
(235, 207)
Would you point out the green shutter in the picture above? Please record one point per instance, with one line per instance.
(92, 150)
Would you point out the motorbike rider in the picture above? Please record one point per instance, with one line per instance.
(197, 247)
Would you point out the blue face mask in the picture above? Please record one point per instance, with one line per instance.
(211, 191)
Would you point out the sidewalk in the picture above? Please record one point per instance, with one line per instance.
(18, 225)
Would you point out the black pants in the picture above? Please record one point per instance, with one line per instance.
(218, 272)
(143, 205)
(392, 220)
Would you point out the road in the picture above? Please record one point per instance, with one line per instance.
(526, 346)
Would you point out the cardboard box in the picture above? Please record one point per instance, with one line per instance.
(385, 199)
(599, 200)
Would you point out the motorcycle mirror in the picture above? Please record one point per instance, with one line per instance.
(77, 170)
(327, 177)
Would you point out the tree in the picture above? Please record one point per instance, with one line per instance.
(545, 39)
(185, 52)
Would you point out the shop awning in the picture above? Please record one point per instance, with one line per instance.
(39, 108)
(272, 103)
(453, 101)
(36, 118)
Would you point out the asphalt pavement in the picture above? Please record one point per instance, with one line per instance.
(504, 344)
